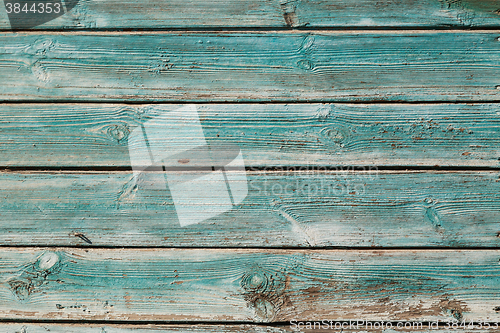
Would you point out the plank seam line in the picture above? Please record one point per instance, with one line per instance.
(253, 248)
(196, 323)
(243, 102)
(136, 322)
(451, 28)
(319, 169)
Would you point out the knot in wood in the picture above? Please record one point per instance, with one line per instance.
(40, 47)
(118, 132)
(335, 137)
(34, 275)
(324, 112)
(429, 201)
(265, 292)
(255, 282)
(47, 261)
(305, 64)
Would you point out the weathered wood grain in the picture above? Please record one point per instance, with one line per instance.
(305, 209)
(147, 14)
(195, 328)
(244, 66)
(262, 328)
(96, 135)
(248, 285)
(392, 13)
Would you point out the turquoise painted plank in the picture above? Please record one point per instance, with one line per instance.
(127, 328)
(248, 285)
(114, 14)
(221, 328)
(97, 135)
(392, 13)
(282, 209)
(162, 14)
(244, 66)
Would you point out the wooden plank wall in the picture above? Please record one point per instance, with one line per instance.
(371, 137)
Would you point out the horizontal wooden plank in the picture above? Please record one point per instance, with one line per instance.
(124, 328)
(97, 135)
(243, 66)
(248, 285)
(96, 328)
(301, 208)
(392, 13)
(114, 14)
